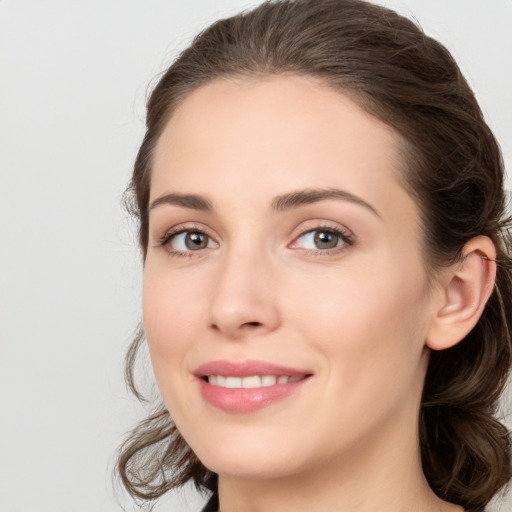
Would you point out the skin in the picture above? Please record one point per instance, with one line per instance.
(356, 316)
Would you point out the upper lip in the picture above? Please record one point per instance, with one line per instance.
(247, 368)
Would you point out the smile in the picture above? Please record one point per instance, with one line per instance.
(248, 386)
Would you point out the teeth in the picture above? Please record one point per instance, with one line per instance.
(232, 382)
(253, 381)
(268, 380)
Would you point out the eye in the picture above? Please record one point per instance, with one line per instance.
(184, 241)
(322, 239)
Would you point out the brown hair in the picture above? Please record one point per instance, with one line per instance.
(452, 166)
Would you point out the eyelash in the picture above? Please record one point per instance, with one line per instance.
(170, 235)
(346, 239)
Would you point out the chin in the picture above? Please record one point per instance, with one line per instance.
(248, 459)
(256, 469)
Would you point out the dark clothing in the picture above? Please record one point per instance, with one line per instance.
(213, 504)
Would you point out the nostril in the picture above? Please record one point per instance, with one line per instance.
(253, 324)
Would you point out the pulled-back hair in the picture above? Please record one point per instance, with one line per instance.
(451, 164)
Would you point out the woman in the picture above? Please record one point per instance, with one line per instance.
(327, 292)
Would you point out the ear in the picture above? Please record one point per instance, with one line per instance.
(464, 289)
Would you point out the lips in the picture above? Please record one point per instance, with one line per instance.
(242, 387)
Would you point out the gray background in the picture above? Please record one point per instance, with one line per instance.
(73, 79)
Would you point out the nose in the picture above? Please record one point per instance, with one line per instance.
(243, 301)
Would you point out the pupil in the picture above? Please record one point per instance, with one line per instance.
(326, 240)
(195, 241)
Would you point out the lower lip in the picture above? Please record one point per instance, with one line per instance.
(243, 400)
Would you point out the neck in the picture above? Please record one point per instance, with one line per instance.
(383, 473)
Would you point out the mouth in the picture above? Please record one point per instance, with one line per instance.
(247, 386)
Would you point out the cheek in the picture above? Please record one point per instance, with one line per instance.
(369, 335)
(370, 322)
(171, 316)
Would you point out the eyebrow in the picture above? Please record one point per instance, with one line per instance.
(280, 203)
(192, 201)
(310, 196)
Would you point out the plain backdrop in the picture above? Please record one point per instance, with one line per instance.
(73, 81)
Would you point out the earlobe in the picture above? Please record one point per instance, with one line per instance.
(464, 290)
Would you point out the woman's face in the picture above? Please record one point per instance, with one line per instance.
(284, 266)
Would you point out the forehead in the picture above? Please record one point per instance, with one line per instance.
(247, 139)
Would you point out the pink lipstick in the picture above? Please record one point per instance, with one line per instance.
(246, 386)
